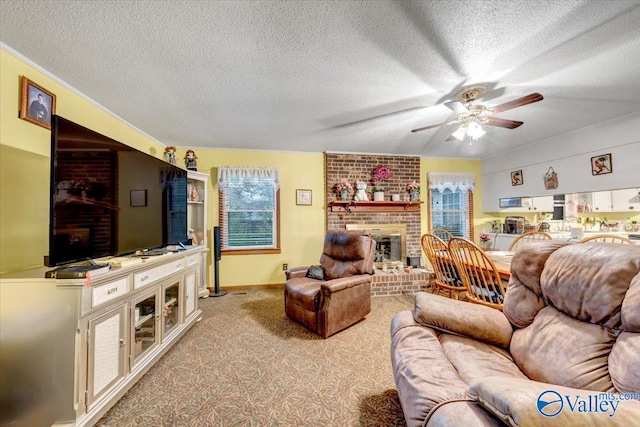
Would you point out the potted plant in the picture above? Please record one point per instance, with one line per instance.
(414, 190)
(485, 241)
(379, 175)
(342, 189)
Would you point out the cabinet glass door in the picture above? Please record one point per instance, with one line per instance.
(171, 307)
(145, 329)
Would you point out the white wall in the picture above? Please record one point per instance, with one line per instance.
(570, 156)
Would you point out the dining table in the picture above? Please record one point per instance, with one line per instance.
(502, 261)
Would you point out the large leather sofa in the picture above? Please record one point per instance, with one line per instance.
(342, 296)
(570, 329)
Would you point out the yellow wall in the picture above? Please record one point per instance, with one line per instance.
(301, 227)
(24, 161)
(428, 165)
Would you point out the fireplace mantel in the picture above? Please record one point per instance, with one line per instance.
(385, 206)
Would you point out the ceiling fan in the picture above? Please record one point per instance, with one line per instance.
(471, 117)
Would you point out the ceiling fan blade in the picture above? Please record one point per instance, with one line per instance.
(429, 127)
(509, 124)
(529, 99)
(457, 107)
(451, 138)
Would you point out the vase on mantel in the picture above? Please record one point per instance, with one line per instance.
(344, 195)
(378, 196)
(415, 195)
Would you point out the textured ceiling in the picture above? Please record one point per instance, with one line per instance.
(351, 76)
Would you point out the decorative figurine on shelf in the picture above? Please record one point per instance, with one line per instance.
(170, 155)
(361, 194)
(195, 197)
(190, 160)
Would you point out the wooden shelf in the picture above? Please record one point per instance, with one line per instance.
(385, 206)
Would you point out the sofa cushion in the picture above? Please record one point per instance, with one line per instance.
(559, 349)
(624, 363)
(461, 413)
(423, 375)
(516, 403)
(489, 325)
(475, 359)
(591, 291)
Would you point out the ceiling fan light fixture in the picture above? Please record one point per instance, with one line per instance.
(460, 132)
(474, 130)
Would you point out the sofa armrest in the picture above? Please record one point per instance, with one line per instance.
(342, 283)
(463, 318)
(296, 272)
(520, 402)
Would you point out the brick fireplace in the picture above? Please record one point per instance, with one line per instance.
(358, 167)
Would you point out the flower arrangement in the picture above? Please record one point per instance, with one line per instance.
(485, 237)
(380, 174)
(341, 186)
(413, 186)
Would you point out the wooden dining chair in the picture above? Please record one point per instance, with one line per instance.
(528, 237)
(442, 233)
(611, 238)
(478, 273)
(446, 277)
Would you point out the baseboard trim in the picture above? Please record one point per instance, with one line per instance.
(253, 287)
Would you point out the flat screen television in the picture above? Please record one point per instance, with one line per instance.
(109, 199)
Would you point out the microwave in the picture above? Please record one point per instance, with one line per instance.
(511, 202)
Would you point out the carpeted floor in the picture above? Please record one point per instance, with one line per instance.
(246, 364)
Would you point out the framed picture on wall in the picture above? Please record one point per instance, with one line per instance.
(303, 197)
(516, 178)
(36, 104)
(138, 198)
(601, 165)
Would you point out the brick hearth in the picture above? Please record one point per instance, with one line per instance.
(395, 283)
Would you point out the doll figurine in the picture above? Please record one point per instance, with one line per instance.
(190, 160)
(170, 155)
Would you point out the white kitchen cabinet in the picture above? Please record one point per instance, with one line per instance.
(542, 204)
(601, 201)
(627, 200)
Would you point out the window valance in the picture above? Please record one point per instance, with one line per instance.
(452, 181)
(226, 174)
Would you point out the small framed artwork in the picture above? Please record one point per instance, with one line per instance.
(303, 197)
(516, 178)
(138, 198)
(36, 104)
(601, 165)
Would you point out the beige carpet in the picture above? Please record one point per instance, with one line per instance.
(247, 364)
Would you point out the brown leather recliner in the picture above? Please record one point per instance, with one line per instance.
(343, 298)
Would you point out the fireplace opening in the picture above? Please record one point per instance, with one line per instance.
(390, 242)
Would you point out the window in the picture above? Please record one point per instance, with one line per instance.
(249, 210)
(451, 206)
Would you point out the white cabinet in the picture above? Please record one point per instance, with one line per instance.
(106, 342)
(542, 204)
(197, 224)
(93, 339)
(627, 200)
(602, 201)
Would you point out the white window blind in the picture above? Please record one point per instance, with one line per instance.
(450, 202)
(249, 207)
